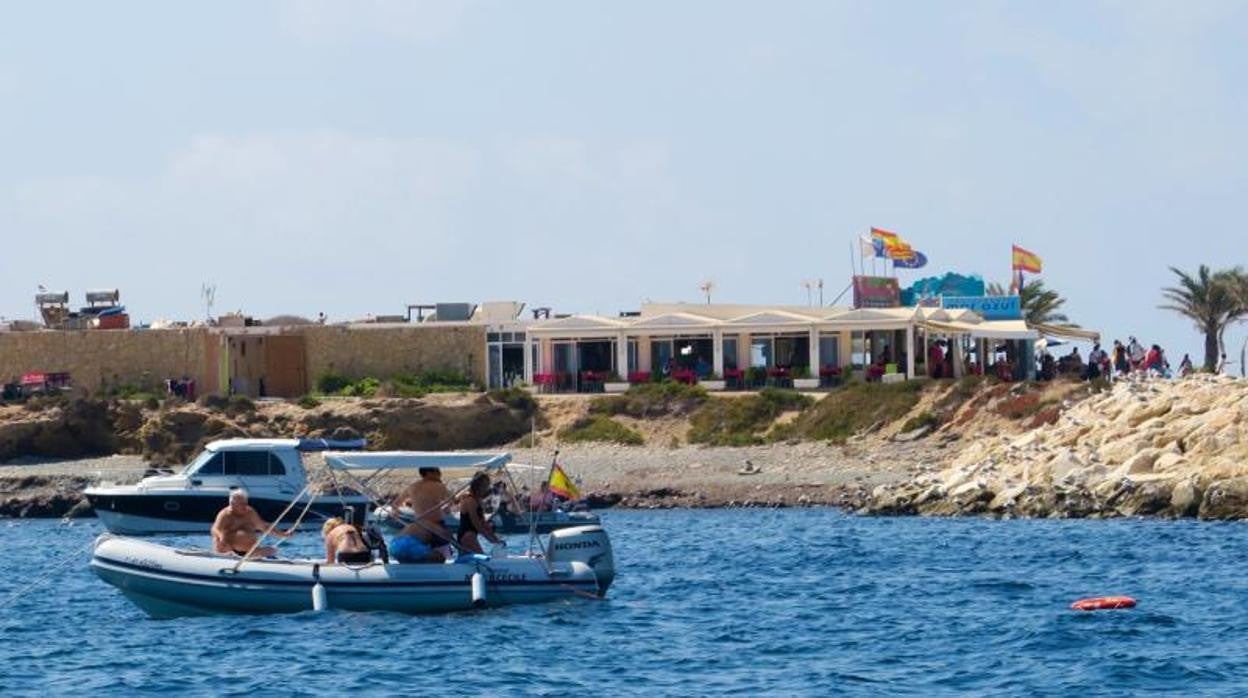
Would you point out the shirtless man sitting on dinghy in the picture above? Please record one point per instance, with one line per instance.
(424, 540)
(235, 530)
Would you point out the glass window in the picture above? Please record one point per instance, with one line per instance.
(730, 352)
(246, 463)
(491, 337)
(760, 352)
(276, 467)
(632, 356)
(212, 466)
(830, 350)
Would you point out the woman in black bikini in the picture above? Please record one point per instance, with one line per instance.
(344, 544)
(472, 521)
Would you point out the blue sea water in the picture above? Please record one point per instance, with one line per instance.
(792, 602)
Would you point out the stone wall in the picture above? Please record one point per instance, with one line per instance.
(100, 359)
(383, 350)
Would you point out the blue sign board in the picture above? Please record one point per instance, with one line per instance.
(989, 307)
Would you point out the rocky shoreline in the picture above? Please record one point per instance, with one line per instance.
(1145, 448)
(1141, 448)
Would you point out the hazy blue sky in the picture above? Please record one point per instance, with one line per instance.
(352, 157)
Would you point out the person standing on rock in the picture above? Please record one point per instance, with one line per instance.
(1185, 366)
(1135, 352)
(1121, 366)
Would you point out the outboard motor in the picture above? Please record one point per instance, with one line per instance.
(588, 544)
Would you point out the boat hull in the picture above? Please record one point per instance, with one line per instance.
(154, 512)
(166, 582)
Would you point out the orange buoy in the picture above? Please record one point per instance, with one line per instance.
(1103, 603)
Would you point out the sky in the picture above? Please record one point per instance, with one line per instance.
(353, 157)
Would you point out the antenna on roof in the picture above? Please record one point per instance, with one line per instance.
(208, 292)
(706, 287)
(810, 286)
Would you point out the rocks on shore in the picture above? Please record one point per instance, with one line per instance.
(1147, 447)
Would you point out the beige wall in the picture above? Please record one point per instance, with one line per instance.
(383, 350)
(99, 359)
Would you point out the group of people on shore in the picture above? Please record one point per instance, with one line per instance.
(1120, 361)
(238, 528)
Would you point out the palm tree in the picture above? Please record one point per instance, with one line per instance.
(1040, 305)
(1211, 300)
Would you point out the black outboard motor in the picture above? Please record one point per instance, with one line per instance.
(376, 542)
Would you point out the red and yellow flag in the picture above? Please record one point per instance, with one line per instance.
(894, 246)
(1025, 260)
(562, 485)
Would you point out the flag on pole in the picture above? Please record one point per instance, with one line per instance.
(894, 246)
(1025, 260)
(871, 247)
(917, 261)
(562, 485)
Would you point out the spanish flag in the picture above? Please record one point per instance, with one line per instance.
(894, 246)
(1025, 260)
(561, 484)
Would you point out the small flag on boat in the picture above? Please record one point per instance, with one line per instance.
(1025, 260)
(562, 485)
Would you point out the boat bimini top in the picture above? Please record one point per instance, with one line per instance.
(413, 460)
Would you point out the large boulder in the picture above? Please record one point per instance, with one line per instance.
(1225, 499)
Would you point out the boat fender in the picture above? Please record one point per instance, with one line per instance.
(1103, 603)
(320, 600)
(478, 590)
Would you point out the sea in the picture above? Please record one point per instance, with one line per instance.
(714, 602)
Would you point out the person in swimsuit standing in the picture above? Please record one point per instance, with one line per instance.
(472, 521)
(234, 530)
(344, 544)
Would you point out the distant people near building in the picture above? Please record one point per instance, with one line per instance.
(1136, 353)
(1185, 366)
(320, 318)
(1048, 367)
(935, 360)
(1221, 364)
(1154, 362)
(1121, 365)
(1095, 358)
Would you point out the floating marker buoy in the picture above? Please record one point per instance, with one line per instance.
(319, 599)
(478, 590)
(1103, 603)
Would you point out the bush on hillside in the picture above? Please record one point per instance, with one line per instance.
(742, 421)
(596, 427)
(854, 408)
(650, 400)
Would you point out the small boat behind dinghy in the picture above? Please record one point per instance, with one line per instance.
(166, 581)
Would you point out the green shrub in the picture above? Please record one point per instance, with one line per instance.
(515, 398)
(596, 427)
(925, 419)
(240, 404)
(331, 383)
(741, 421)
(309, 402)
(854, 408)
(650, 400)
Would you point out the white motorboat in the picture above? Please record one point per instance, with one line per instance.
(271, 470)
(166, 581)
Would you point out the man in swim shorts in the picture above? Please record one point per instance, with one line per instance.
(236, 526)
(425, 539)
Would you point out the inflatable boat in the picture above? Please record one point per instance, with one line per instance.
(169, 582)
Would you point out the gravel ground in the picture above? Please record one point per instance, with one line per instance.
(637, 476)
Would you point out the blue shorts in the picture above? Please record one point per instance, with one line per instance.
(410, 549)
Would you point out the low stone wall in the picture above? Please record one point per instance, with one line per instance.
(99, 359)
(382, 350)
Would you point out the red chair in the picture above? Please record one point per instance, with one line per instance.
(636, 377)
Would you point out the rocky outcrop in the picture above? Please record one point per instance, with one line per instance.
(1144, 448)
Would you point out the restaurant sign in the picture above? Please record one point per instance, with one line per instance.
(876, 292)
(988, 307)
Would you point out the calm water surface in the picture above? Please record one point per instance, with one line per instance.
(706, 602)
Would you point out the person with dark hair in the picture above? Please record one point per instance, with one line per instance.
(424, 539)
(472, 521)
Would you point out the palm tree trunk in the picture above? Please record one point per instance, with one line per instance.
(1211, 350)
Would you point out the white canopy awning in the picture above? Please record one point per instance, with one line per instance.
(413, 460)
(988, 329)
(1077, 333)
